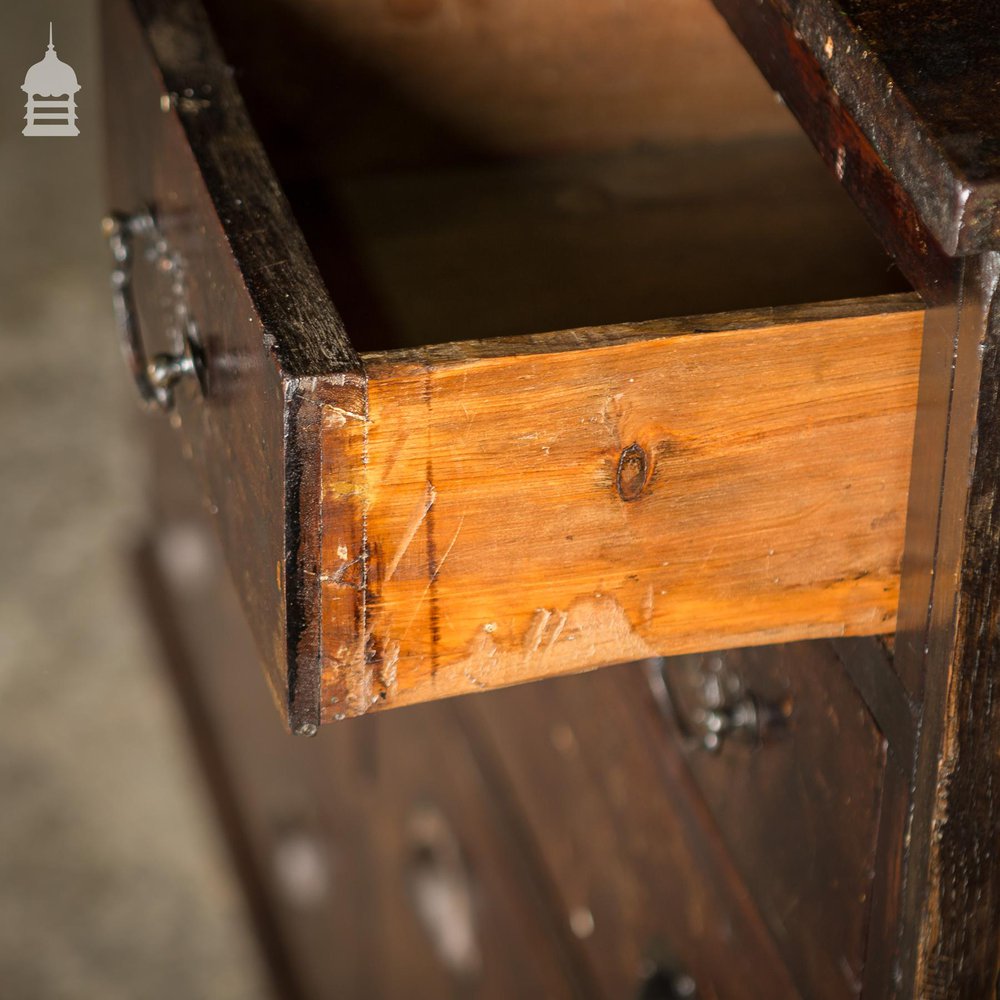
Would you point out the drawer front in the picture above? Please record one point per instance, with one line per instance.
(644, 879)
(218, 274)
(733, 857)
(792, 767)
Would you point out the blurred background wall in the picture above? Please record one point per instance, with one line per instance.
(113, 879)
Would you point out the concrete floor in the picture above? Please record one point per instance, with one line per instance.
(113, 878)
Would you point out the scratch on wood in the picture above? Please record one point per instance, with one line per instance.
(337, 416)
(546, 627)
(533, 637)
(490, 665)
(557, 630)
(648, 605)
(419, 515)
(447, 551)
(386, 669)
(337, 577)
(434, 571)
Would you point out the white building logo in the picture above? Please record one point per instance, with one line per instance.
(51, 87)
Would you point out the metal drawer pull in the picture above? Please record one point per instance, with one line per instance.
(724, 710)
(154, 378)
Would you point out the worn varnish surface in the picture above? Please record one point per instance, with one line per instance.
(549, 504)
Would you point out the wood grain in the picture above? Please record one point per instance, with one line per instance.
(555, 503)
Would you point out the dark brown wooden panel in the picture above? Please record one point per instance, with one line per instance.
(911, 77)
(799, 808)
(916, 76)
(948, 644)
(181, 145)
(797, 73)
(641, 873)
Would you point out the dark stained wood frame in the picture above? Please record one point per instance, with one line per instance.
(275, 338)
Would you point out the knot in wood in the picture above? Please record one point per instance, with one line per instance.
(633, 473)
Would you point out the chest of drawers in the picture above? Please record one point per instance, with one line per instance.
(341, 244)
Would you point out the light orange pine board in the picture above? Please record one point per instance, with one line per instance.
(500, 548)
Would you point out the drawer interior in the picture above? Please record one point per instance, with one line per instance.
(463, 170)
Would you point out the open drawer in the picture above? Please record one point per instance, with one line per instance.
(419, 493)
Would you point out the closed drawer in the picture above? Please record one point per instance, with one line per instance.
(765, 864)
(795, 772)
(379, 859)
(415, 504)
(643, 876)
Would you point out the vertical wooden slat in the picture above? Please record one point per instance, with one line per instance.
(950, 643)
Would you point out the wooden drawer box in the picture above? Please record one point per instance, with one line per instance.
(418, 492)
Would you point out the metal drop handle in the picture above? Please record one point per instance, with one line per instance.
(725, 709)
(155, 378)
